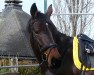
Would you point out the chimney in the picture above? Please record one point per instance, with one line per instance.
(13, 4)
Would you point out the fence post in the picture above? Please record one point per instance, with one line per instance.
(45, 6)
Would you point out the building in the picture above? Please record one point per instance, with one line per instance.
(14, 36)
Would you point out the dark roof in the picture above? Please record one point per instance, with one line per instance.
(14, 36)
(13, 1)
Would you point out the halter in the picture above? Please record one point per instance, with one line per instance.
(47, 47)
(46, 55)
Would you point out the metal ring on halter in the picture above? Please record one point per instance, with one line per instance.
(45, 55)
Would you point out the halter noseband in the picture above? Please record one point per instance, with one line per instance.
(47, 47)
(46, 55)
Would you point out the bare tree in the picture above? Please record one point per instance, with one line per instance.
(74, 24)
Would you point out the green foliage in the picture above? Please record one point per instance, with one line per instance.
(29, 71)
(4, 70)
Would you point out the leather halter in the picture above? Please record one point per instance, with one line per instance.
(47, 47)
(46, 55)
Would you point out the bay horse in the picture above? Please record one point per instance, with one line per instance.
(52, 48)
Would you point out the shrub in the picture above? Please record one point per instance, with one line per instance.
(29, 71)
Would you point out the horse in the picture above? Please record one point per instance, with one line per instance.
(53, 49)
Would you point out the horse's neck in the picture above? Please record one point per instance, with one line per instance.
(68, 53)
(68, 44)
(64, 42)
(67, 56)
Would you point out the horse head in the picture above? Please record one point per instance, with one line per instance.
(42, 29)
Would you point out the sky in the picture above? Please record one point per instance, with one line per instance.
(27, 4)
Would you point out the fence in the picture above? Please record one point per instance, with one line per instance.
(23, 58)
(10, 64)
(33, 65)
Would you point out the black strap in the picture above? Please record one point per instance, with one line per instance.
(47, 47)
(45, 60)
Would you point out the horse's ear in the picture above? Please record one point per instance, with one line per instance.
(33, 10)
(49, 11)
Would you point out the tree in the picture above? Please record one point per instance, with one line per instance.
(74, 24)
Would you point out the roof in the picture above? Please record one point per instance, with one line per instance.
(12, 1)
(14, 36)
